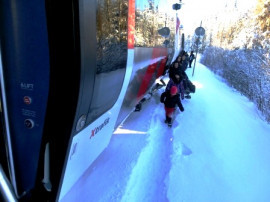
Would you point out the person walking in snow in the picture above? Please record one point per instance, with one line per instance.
(171, 99)
(191, 58)
(183, 62)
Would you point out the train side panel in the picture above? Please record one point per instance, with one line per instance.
(99, 106)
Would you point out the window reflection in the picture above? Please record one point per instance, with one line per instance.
(151, 17)
(111, 55)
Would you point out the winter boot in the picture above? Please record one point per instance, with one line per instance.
(169, 122)
(188, 96)
(167, 119)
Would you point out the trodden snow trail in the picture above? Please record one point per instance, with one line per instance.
(153, 164)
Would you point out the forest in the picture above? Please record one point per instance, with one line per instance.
(237, 48)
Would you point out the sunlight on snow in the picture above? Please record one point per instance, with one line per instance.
(126, 131)
(197, 84)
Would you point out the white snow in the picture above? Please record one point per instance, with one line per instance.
(217, 150)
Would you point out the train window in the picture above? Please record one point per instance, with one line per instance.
(111, 55)
(151, 16)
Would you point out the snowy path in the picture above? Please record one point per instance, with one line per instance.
(153, 164)
(219, 152)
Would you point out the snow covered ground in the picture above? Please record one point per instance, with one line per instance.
(217, 150)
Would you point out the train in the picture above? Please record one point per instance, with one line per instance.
(71, 72)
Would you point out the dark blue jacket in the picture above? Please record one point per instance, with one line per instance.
(170, 101)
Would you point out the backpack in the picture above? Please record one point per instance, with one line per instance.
(191, 86)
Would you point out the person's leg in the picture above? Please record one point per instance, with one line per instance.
(169, 114)
(166, 115)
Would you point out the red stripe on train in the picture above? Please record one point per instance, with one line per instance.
(162, 63)
(157, 52)
(131, 23)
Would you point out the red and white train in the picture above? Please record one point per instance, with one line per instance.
(71, 72)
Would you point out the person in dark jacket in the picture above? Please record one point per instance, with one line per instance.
(191, 58)
(176, 80)
(171, 99)
(174, 69)
(184, 62)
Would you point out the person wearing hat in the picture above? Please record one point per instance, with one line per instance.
(171, 99)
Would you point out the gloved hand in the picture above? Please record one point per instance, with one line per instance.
(182, 97)
(182, 109)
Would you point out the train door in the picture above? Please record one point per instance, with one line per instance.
(106, 65)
